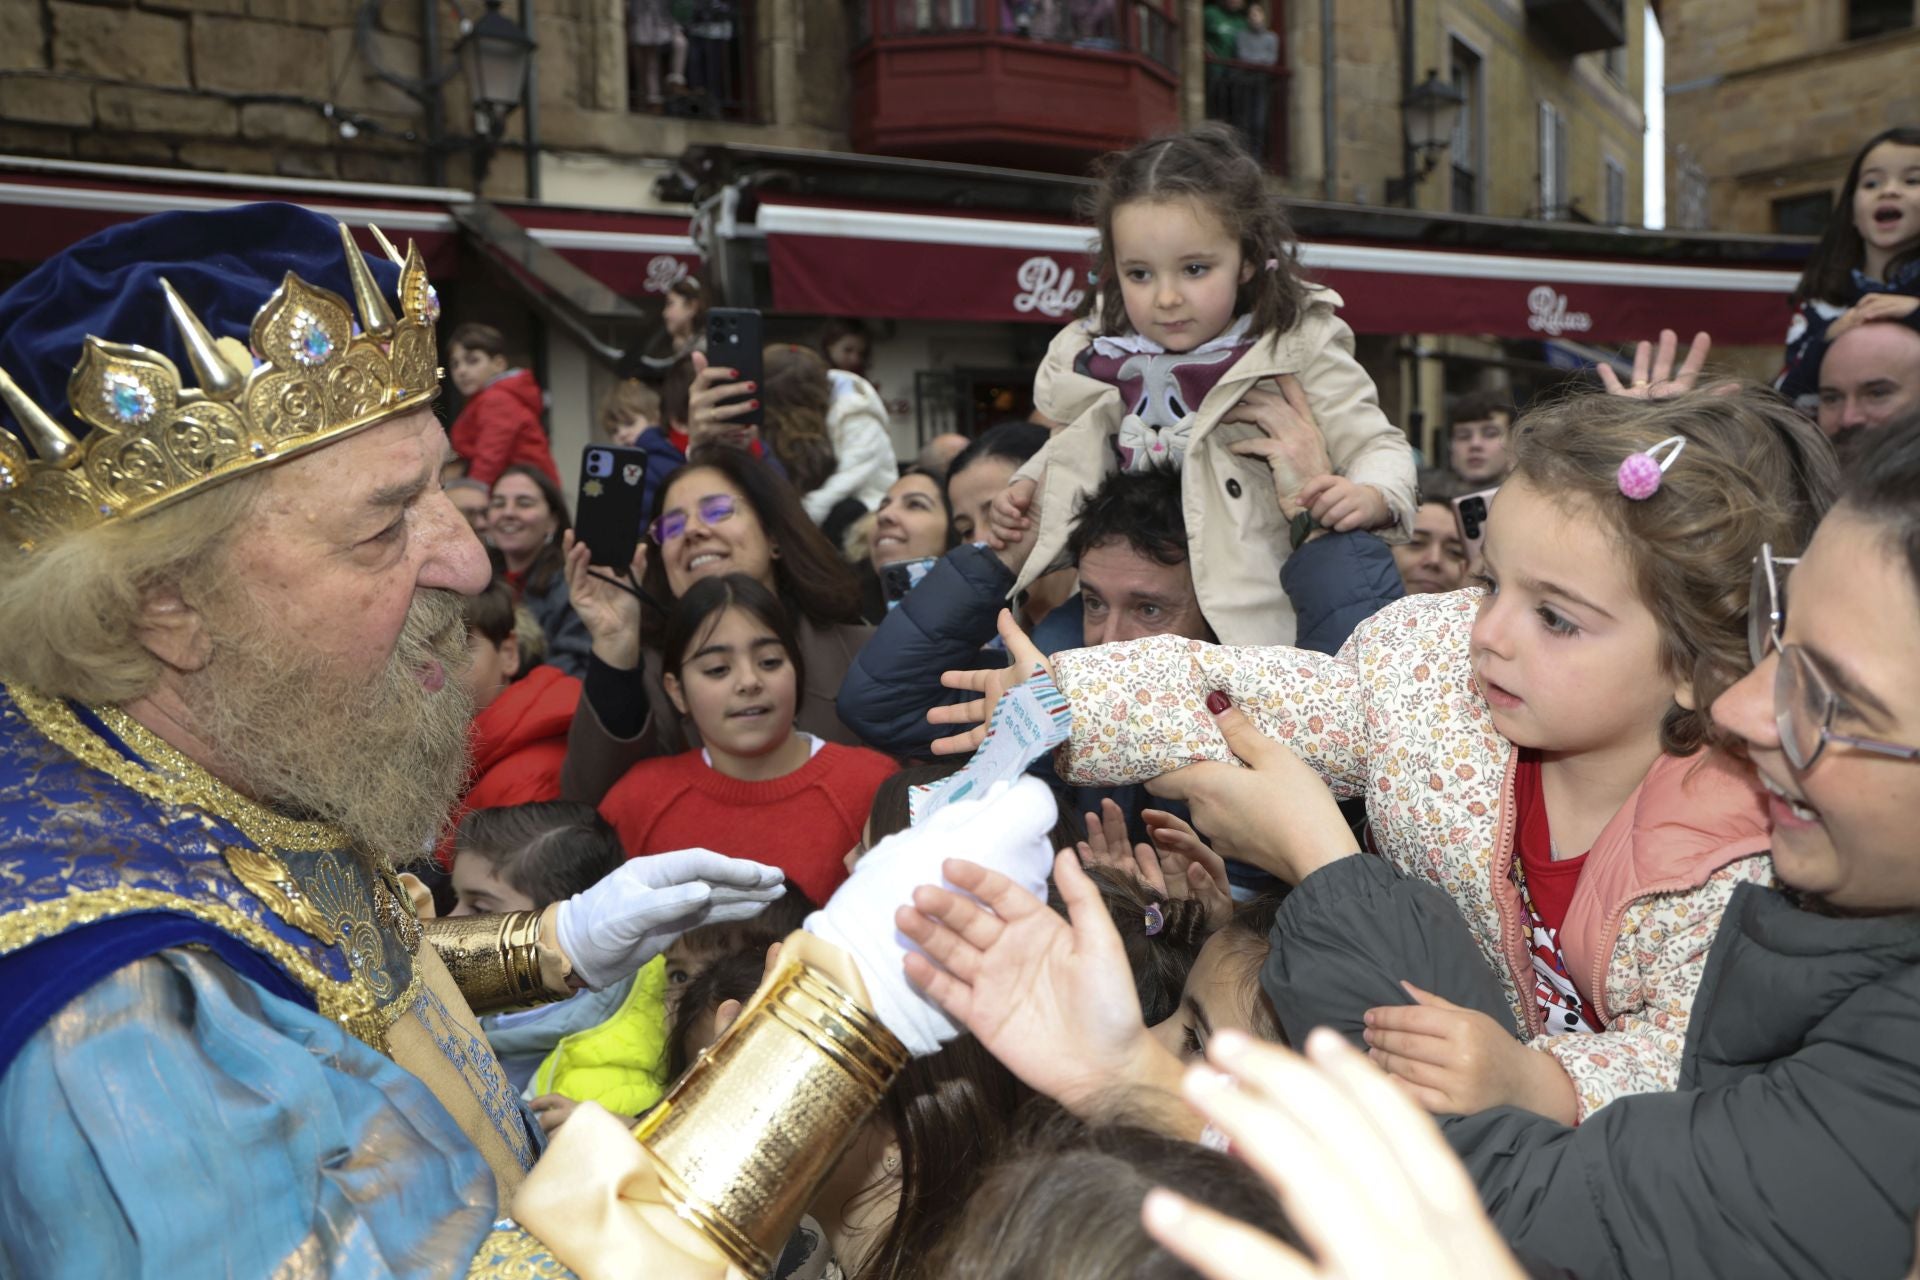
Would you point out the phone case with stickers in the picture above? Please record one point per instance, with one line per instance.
(611, 510)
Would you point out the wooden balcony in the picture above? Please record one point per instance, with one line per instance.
(1035, 84)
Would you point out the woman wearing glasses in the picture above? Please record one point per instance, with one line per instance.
(723, 513)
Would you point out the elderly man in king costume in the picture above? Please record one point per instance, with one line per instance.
(229, 704)
(229, 597)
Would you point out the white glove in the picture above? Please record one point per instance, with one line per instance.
(1006, 830)
(611, 929)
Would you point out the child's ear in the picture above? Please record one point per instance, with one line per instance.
(1246, 271)
(724, 1017)
(509, 650)
(1683, 695)
(671, 683)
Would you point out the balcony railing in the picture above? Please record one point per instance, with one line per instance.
(1252, 97)
(1013, 81)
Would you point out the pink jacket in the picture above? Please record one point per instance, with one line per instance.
(1397, 716)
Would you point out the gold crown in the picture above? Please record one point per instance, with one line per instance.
(311, 377)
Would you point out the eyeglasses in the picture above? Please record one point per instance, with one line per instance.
(713, 508)
(1804, 703)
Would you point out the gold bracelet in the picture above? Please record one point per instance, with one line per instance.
(494, 959)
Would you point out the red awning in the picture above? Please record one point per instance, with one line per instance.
(48, 205)
(898, 265)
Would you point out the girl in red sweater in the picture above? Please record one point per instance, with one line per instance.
(758, 786)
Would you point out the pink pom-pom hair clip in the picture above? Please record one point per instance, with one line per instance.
(1640, 473)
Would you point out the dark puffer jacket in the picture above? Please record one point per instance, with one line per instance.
(1791, 1148)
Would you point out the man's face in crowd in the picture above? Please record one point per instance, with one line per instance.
(1869, 376)
(1127, 595)
(1480, 448)
(1435, 558)
(335, 640)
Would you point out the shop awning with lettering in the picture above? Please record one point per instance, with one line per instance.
(47, 205)
(826, 260)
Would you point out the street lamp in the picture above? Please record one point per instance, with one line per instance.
(494, 52)
(1428, 117)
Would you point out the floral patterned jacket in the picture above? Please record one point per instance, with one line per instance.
(1396, 716)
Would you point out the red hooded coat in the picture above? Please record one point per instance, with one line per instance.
(500, 426)
(518, 742)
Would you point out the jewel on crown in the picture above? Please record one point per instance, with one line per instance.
(314, 368)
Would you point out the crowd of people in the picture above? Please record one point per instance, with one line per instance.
(1472, 869)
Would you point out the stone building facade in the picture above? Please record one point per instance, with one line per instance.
(293, 88)
(1769, 99)
(1511, 69)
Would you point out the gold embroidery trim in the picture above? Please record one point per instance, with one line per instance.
(173, 779)
(509, 1253)
(351, 1004)
(177, 781)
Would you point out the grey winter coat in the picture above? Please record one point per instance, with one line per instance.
(1791, 1148)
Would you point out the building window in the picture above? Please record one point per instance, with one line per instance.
(1614, 175)
(1554, 196)
(1614, 62)
(1803, 215)
(1468, 129)
(1877, 17)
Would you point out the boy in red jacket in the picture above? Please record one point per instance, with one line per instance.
(500, 424)
(519, 733)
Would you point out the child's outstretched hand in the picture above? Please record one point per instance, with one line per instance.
(1341, 505)
(1456, 1062)
(1010, 516)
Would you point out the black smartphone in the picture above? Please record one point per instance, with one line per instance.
(735, 341)
(897, 577)
(611, 511)
(1471, 511)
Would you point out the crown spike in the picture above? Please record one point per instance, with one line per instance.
(219, 380)
(53, 443)
(376, 317)
(386, 246)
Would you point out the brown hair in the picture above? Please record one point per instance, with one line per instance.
(548, 851)
(625, 400)
(698, 612)
(952, 1113)
(483, 338)
(796, 394)
(1159, 960)
(1753, 470)
(1478, 406)
(1249, 932)
(1207, 165)
(1883, 485)
(1066, 1205)
(690, 288)
(1828, 276)
(676, 391)
(491, 613)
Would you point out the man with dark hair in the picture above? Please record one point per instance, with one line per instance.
(1130, 544)
(1478, 432)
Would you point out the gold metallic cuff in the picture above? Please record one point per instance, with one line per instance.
(754, 1127)
(494, 959)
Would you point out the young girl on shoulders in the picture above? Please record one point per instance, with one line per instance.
(1539, 747)
(1197, 317)
(732, 665)
(1866, 267)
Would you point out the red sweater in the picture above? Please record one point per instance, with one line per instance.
(517, 742)
(804, 823)
(500, 426)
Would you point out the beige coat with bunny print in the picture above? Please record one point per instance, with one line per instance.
(1236, 536)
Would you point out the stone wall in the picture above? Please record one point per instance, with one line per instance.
(1776, 107)
(243, 86)
(1519, 69)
